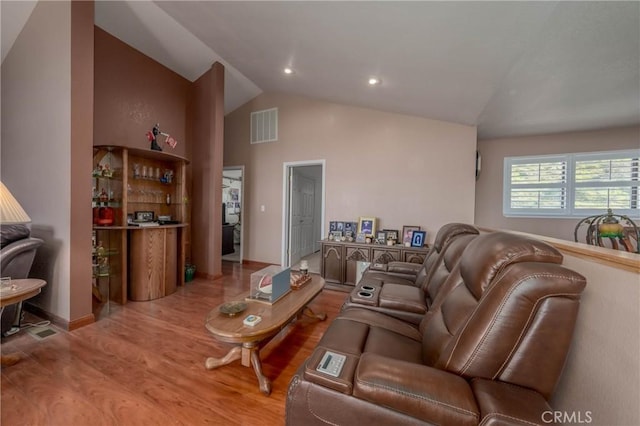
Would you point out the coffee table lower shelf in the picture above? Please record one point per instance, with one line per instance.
(249, 340)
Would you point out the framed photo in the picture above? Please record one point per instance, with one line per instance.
(340, 226)
(391, 234)
(333, 226)
(407, 233)
(417, 238)
(336, 234)
(367, 226)
(361, 238)
(381, 237)
(351, 226)
(348, 234)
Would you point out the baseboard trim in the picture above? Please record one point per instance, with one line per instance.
(81, 322)
(207, 276)
(256, 264)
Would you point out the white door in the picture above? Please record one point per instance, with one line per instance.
(301, 239)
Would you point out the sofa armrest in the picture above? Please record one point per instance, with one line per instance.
(506, 404)
(423, 392)
(405, 268)
(377, 267)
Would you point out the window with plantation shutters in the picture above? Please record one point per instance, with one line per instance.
(603, 182)
(572, 184)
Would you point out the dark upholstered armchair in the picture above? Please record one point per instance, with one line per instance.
(17, 252)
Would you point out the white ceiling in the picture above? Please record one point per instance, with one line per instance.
(511, 68)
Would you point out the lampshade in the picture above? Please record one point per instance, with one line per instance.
(11, 212)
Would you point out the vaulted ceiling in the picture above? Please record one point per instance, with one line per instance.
(511, 68)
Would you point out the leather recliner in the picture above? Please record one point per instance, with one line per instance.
(407, 302)
(416, 274)
(490, 350)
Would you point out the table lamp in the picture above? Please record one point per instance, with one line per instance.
(11, 212)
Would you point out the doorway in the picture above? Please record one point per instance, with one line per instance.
(303, 212)
(232, 208)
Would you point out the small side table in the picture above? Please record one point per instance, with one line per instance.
(19, 290)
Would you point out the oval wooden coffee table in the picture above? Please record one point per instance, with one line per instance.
(249, 340)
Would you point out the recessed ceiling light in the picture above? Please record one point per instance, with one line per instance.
(373, 81)
(288, 71)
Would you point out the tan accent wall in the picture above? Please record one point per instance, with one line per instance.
(132, 93)
(81, 155)
(404, 170)
(207, 115)
(489, 187)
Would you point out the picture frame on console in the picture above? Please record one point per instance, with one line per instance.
(337, 235)
(392, 234)
(348, 227)
(417, 238)
(381, 237)
(367, 226)
(407, 233)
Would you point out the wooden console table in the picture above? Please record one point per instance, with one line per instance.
(339, 259)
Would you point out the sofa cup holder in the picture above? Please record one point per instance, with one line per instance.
(365, 294)
(368, 288)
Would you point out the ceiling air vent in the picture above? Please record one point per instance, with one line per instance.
(264, 126)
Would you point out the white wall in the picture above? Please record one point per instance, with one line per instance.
(404, 170)
(36, 138)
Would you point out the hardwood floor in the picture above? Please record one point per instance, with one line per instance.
(144, 365)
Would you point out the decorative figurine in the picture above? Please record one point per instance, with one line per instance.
(153, 138)
(106, 171)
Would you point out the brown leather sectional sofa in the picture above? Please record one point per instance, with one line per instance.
(489, 348)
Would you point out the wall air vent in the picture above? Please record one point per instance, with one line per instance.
(264, 126)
